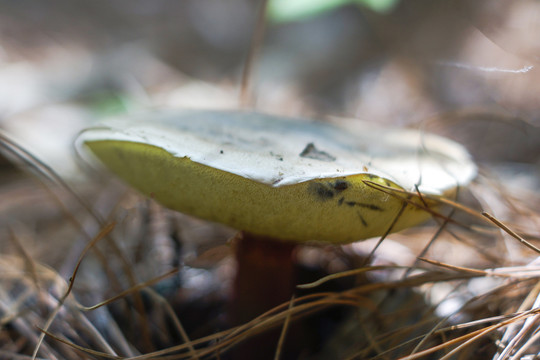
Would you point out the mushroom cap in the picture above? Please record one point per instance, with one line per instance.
(292, 179)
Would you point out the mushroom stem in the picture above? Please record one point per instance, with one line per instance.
(265, 278)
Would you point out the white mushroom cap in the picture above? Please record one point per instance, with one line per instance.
(281, 151)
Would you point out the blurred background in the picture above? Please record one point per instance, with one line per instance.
(468, 70)
(465, 65)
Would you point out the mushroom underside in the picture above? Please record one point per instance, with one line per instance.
(337, 210)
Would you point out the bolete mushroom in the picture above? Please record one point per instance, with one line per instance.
(279, 181)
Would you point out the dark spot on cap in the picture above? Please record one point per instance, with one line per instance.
(341, 185)
(311, 152)
(221, 151)
(364, 222)
(277, 156)
(321, 191)
(276, 181)
(372, 207)
(364, 205)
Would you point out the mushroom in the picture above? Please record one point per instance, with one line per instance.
(279, 181)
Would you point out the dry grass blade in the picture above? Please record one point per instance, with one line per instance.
(283, 334)
(388, 231)
(407, 196)
(510, 232)
(49, 321)
(174, 318)
(129, 291)
(346, 274)
(513, 337)
(80, 348)
(30, 263)
(469, 338)
(521, 352)
(426, 248)
(455, 268)
(43, 170)
(256, 41)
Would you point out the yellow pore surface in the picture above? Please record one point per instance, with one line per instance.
(336, 210)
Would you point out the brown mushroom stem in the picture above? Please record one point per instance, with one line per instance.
(265, 278)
